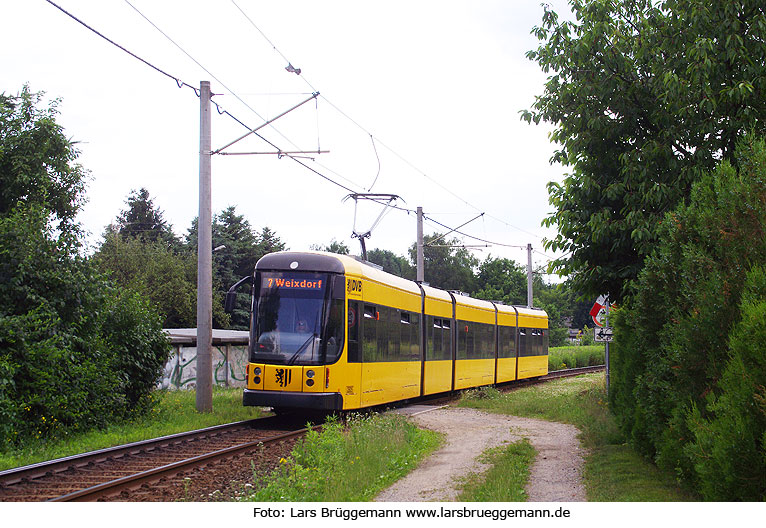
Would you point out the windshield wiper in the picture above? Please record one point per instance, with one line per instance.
(301, 349)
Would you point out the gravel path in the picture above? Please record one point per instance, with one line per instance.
(554, 477)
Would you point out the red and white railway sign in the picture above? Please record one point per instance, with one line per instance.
(598, 312)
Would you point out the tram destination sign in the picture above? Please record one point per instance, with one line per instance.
(290, 283)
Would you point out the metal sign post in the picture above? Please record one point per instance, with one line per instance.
(606, 353)
(603, 332)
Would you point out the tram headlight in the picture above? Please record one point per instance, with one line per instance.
(257, 371)
(309, 374)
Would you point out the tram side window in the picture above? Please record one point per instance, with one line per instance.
(415, 338)
(465, 340)
(353, 331)
(433, 337)
(537, 342)
(390, 334)
(404, 334)
(370, 323)
(541, 342)
(485, 341)
(475, 340)
(507, 342)
(532, 342)
(410, 336)
(523, 346)
(439, 338)
(335, 331)
(389, 337)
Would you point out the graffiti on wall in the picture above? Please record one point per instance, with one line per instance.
(229, 364)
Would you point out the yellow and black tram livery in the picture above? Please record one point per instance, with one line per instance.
(330, 332)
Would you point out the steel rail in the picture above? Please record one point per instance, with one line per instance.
(41, 469)
(132, 481)
(573, 371)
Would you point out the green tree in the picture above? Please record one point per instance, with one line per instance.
(237, 249)
(144, 221)
(392, 263)
(239, 253)
(446, 263)
(242, 249)
(502, 280)
(167, 278)
(268, 242)
(558, 301)
(645, 96)
(37, 160)
(581, 307)
(334, 247)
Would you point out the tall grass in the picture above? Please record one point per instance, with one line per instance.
(347, 463)
(174, 412)
(560, 358)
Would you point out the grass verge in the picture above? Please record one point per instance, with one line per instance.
(175, 412)
(344, 463)
(505, 480)
(560, 358)
(613, 471)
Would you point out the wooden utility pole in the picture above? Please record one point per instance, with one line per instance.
(205, 259)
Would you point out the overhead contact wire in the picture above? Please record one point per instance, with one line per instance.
(196, 90)
(181, 83)
(270, 42)
(372, 138)
(113, 43)
(471, 236)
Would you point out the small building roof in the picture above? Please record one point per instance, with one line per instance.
(188, 336)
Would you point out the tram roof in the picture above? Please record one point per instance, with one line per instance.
(337, 263)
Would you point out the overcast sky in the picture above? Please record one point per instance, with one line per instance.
(437, 84)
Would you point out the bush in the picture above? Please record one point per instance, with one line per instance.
(729, 452)
(74, 352)
(133, 330)
(673, 355)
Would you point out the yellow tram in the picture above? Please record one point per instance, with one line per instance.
(333, 333)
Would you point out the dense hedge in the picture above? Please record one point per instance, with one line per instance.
(75, 352)
(688, 373)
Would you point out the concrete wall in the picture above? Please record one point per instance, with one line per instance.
(229, 363)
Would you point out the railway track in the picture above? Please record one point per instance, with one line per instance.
(157, 469)
(124, 469)
(555, 374)
(572, 372)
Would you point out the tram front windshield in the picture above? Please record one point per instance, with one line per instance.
(290, 321)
